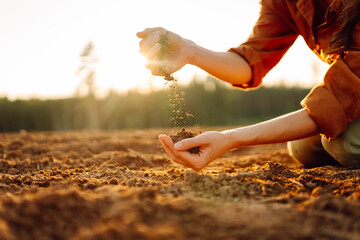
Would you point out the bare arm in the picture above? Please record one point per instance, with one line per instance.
(292, 126)
(295, 125)
(227, 66)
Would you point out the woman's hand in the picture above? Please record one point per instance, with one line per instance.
(174, 55)
(292, 126)
(227, 66)
(211, 145)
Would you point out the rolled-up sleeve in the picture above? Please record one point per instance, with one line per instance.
(272, 36)
(336, 101)
(332, 104)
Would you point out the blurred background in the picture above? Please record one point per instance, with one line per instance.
(74, 64)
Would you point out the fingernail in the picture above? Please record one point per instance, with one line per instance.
(178, 145)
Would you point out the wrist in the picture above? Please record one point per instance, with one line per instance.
(230, 139)
(192, 52)
(242, 136)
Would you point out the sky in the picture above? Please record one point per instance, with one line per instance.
(41, 40)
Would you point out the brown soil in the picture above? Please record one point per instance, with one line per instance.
(179, 116)
(180, 135)
(121, 185)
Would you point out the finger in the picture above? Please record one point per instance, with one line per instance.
(154, 66)
(148, 65)
(156, 72)
(155, 34)
(152, 52)
(147, 31)
(189, 143)
(158, 68)
(166, 144)
(152, 63)
(186, 158)
(148, 42)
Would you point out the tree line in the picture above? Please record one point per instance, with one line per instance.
(211, 102)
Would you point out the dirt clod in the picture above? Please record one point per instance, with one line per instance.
(183, 134)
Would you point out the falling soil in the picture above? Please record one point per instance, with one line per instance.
(183, 134)
(179, 115)
(121, 185)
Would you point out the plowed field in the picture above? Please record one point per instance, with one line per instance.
(122, 185)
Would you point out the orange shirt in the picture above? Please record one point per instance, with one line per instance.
(336, 101)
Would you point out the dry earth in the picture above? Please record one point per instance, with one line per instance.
(121, 185)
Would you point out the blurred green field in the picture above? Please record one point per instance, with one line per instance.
(211, 102)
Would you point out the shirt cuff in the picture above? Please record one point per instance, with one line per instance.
(257, 68)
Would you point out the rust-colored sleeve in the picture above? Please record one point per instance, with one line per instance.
(272, 36)
(336, 101)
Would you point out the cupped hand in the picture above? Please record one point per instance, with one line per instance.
(173, 57)
(211, 146)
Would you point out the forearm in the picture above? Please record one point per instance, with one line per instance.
(226, 66)
(292, 126)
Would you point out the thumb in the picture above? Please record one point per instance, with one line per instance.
(188, 143)
(144, 33)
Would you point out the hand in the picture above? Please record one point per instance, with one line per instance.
(176, 55)
(211, 145)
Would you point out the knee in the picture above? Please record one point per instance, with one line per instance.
(299, 153)
(309, 152)
(345, 149)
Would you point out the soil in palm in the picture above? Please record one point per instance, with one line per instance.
(180, 135)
